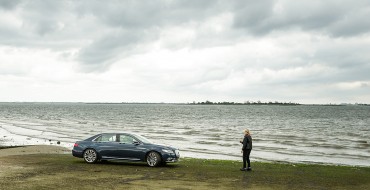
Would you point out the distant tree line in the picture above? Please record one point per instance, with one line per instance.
(363, 104)
(245, 103)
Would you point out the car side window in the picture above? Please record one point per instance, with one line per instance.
(126, 139)
(106, 138)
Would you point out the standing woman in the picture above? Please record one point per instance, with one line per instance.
(246, 150)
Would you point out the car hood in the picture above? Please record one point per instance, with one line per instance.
(164, 146)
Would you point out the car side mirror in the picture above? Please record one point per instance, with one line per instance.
(135, 142)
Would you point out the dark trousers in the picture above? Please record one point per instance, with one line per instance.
(246, 154)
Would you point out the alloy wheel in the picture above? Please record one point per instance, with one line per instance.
(90, 156)
(153, 159)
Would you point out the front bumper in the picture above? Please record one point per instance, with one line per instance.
(171, 157)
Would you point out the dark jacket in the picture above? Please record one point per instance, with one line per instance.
(247, 142)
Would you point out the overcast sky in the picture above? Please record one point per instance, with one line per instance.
(307, 51)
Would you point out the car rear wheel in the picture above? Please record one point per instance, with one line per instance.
(90, 156)
(153, 159)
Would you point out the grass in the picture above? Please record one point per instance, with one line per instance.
(66, 172)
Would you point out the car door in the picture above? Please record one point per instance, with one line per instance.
(106, 145)
(129, 148)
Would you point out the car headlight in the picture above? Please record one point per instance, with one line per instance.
(167, 150)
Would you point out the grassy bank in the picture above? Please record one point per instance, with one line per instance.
(53, 171)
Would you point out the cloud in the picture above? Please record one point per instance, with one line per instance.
(335, 18)
(102, 50)
(188, 49)
(8, 5)
(114, 27)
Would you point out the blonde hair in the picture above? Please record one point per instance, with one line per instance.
(247, 131)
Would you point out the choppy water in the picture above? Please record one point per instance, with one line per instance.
(320, 134)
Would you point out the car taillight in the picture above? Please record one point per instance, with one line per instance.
(75, 145)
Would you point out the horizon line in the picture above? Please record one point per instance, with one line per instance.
(191, 103)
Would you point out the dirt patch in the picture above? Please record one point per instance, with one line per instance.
(39, 149)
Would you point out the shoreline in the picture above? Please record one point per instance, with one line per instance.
(59, 149)
(10, 140)
(213, 145)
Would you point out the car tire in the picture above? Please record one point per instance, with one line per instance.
(90, 156)
(153, 159)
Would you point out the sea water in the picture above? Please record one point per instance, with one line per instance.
(301, 133)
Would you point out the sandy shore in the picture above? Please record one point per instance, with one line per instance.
(37, 149)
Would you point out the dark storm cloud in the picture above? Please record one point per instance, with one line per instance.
(274, 49)
(8, 4)
(144, 15)
(40, 24)
(336, 18)
(258, 18)
(137, 23)
(104, 31)
(118, 43)
(112, 29)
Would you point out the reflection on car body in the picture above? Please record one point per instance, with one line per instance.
(124, 146)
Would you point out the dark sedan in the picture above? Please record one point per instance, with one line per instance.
(124, 146)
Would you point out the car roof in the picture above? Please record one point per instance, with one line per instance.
(95, 136)
(118, 133)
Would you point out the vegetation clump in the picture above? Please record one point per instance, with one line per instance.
(245, 103)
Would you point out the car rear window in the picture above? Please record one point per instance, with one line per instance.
(107, 138)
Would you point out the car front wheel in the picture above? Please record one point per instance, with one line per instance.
(90, 156)
(153, 159)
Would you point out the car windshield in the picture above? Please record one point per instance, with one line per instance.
(142, 139)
